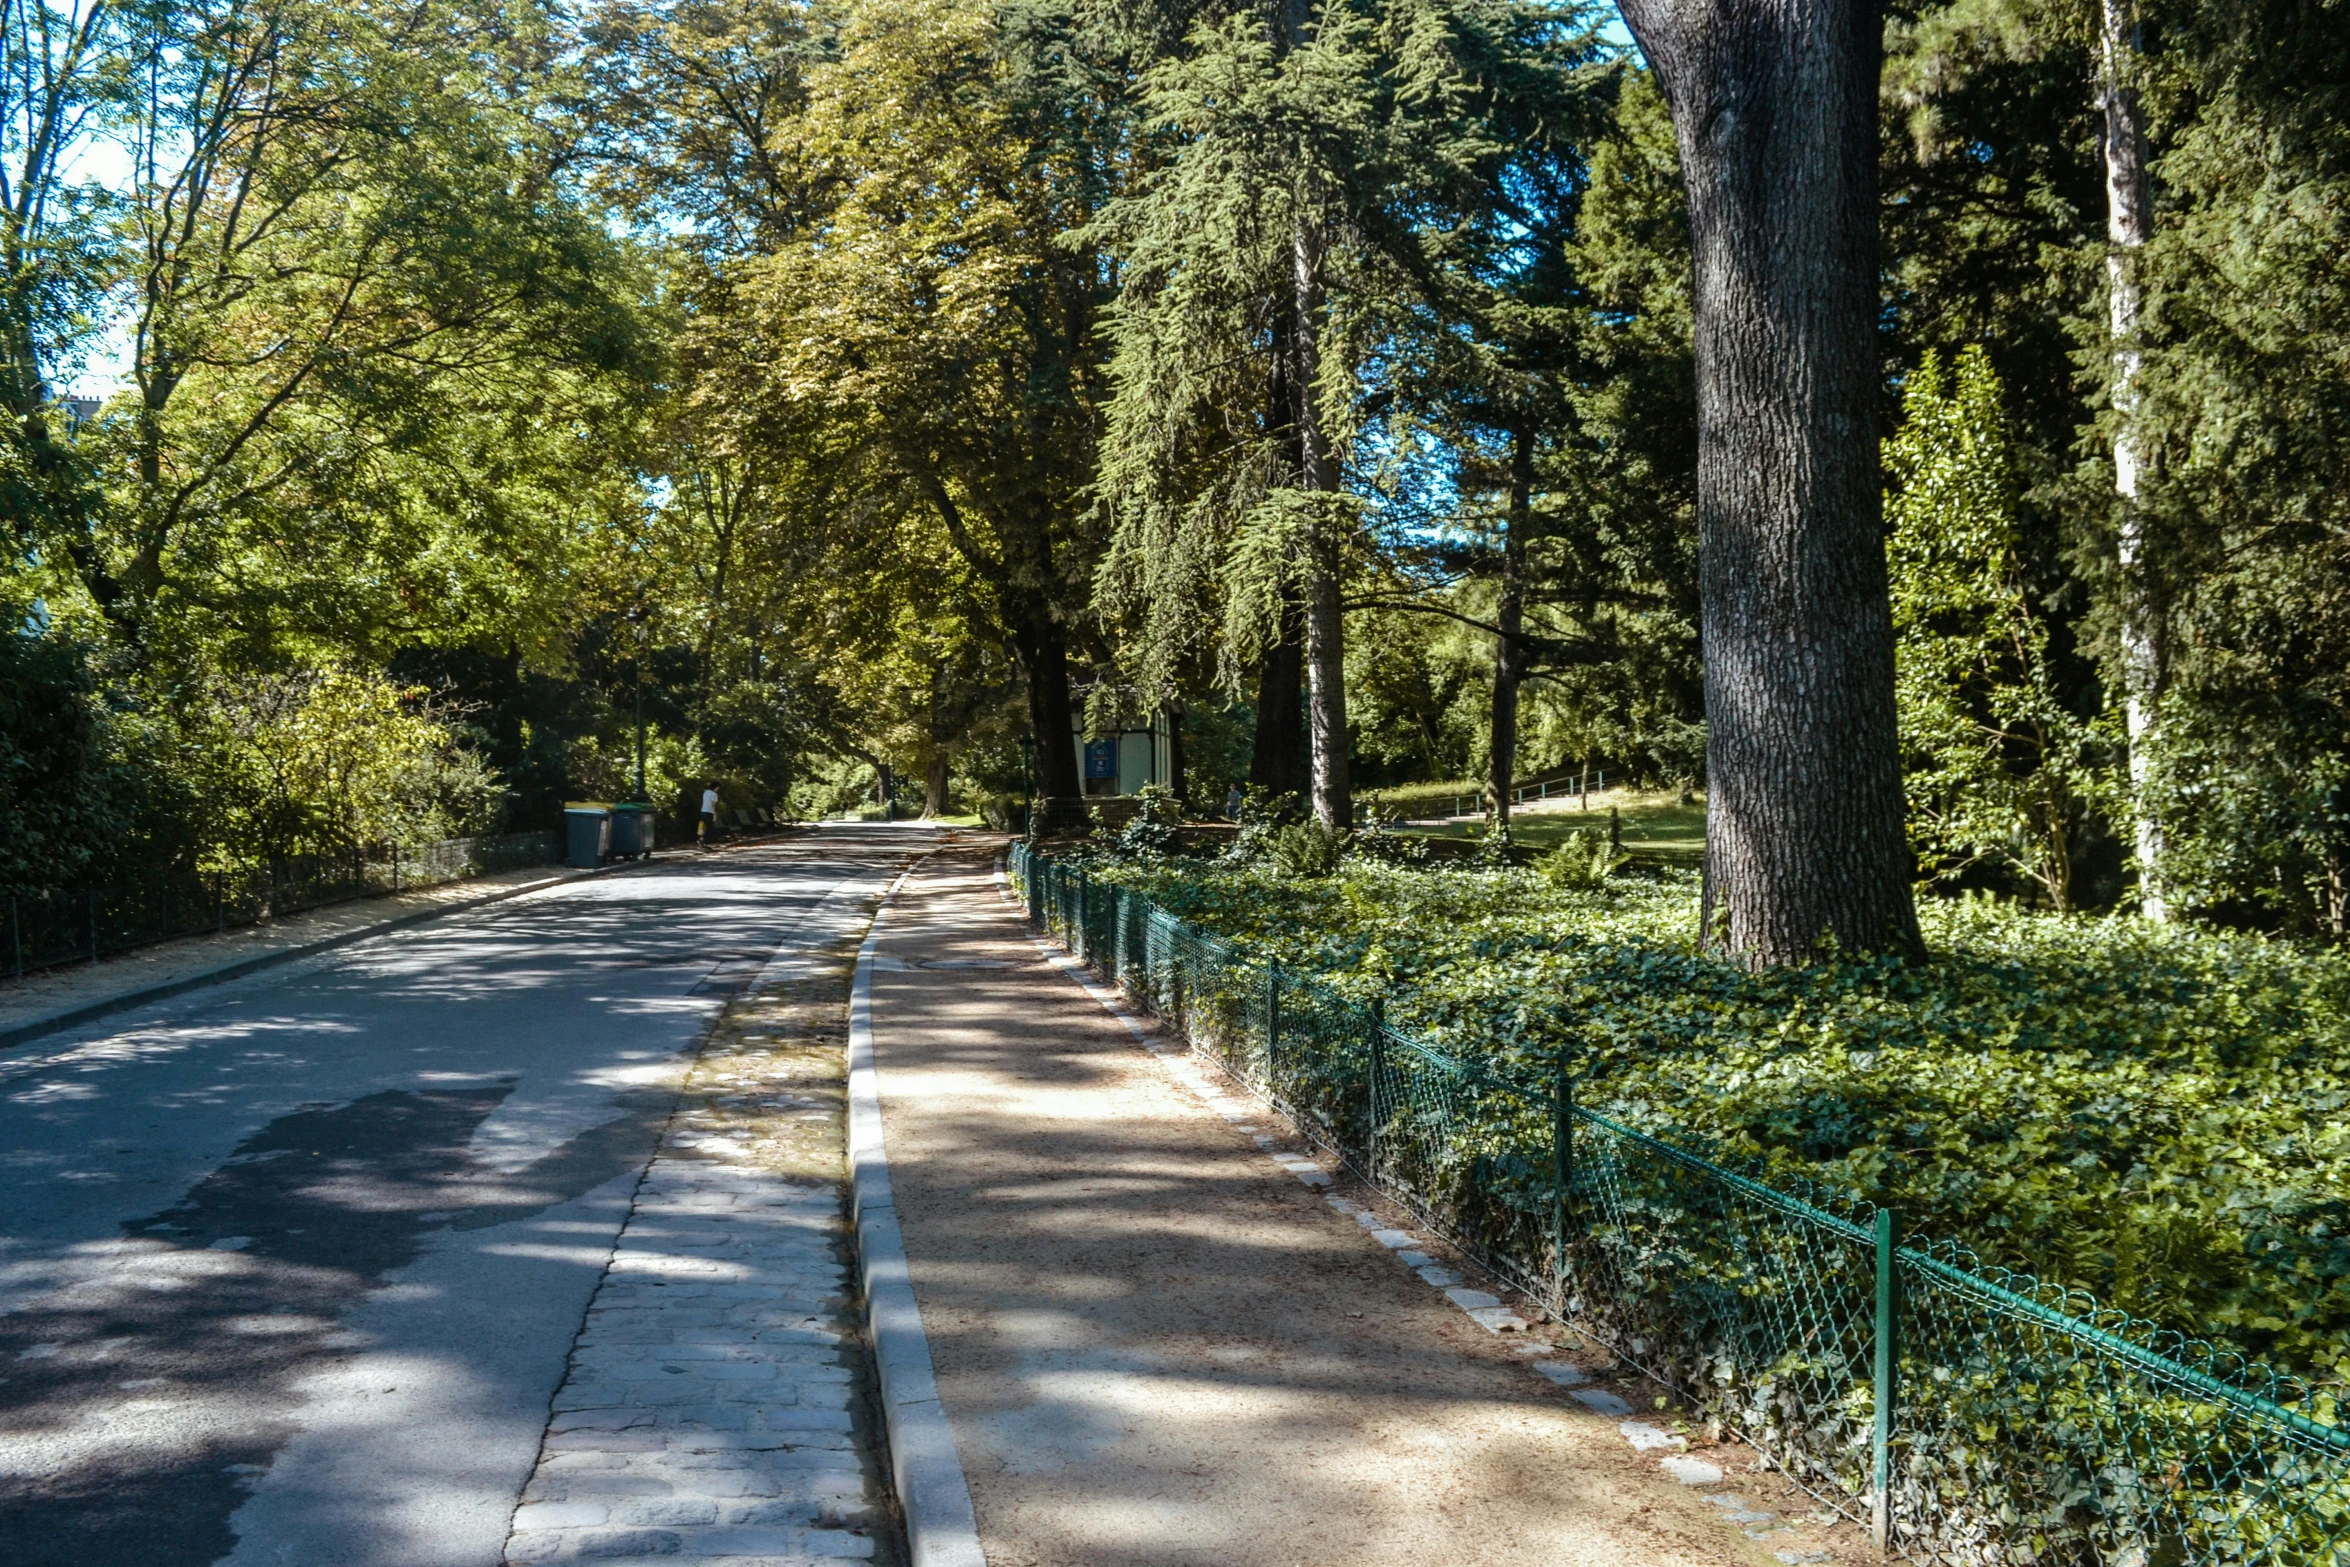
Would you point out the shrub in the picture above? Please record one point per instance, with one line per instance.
(1157, 818)
(1262, 813)
(1308, 849)
(1584, 861)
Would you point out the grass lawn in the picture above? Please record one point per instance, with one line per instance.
(1419, 799)
(1656, 825)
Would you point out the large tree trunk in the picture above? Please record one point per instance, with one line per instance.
(2129, 223)
(1333, 790)
(1775, 106)
(1277, 761)
(1509, 620)
(1044, 660)
(934, 783)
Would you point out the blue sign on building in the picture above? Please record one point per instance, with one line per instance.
(1101, 759)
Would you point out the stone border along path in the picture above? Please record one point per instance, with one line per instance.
(717, 1407)
(927, 1475)
(1820, 1535)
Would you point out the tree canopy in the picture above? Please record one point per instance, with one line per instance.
(881, 397)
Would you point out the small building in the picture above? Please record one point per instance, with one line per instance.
(1140, 752)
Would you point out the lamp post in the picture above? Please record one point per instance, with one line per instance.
(640, 629)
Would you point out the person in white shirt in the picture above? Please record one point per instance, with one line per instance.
(707, 827)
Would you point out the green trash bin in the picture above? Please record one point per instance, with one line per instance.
(587, 833)
(632, 830)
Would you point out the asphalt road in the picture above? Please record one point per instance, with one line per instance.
(289, 1269)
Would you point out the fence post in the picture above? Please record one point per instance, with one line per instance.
(1562, 1170)
(1272, 1016)
(1881, 1443)
(1378, 1073)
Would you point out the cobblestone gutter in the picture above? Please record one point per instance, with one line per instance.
(718, 1405)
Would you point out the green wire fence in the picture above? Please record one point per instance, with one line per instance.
(1967, 1414)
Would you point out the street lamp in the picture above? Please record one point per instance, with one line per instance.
(638, 616)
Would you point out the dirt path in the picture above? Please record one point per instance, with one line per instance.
(1155, 1347)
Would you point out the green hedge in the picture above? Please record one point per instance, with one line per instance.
(2153, 1115)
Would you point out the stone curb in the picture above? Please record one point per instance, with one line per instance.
(91, 1011)
(925, 1470)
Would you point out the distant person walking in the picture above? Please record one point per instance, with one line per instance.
(707, 828)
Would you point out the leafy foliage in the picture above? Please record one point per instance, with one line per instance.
(2156, 1115)
(1998, 767)
(1582, 862)
(64, 785)
(1306, 850)
(1151, 830)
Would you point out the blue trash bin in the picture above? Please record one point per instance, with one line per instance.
(632, 830)
(587, 834)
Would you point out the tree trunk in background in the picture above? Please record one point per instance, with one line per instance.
(2129, 223)
(1333, 790)
(1044, 660)
(1178, 777)
(1278, 761)
(1775, 109)
(1510, 619)
(934, 785)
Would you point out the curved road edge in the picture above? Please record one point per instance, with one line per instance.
(91, 1011)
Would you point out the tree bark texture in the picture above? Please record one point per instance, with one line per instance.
(934, 784)
(1775, 110)
(1277, 762)
(1044, 659)
(2129, 223)
(1509, 619)
(1333, 789)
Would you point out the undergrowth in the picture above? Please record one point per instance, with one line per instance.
(2154, 1115)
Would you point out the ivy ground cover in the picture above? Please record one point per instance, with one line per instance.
(2154, 1115)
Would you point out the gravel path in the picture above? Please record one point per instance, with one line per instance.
(1155, 1346)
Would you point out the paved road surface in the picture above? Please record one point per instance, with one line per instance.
(290, 1269)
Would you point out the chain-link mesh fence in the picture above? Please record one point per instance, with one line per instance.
(1970, 1415)
(46, 929)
